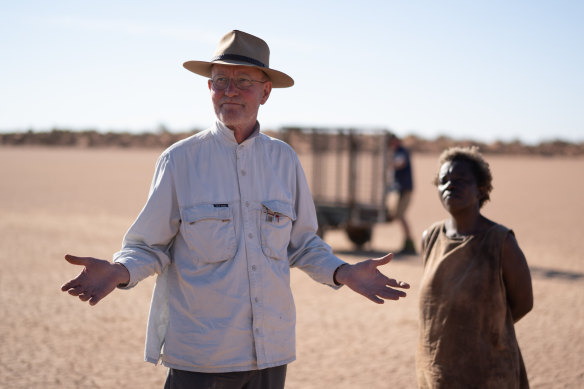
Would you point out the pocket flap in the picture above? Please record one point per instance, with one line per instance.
(281, 207)
(206, 211)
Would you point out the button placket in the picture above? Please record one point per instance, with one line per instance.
(247, 195)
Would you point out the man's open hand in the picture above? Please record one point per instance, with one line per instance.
(364, 278)
(97, 279)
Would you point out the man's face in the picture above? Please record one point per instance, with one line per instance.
(235, 107)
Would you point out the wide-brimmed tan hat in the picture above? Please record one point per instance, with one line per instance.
(243, 49)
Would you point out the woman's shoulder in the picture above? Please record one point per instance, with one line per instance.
(433, 229)
(497, 228)
(431, 233)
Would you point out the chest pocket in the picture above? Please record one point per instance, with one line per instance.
(209, 231)
(276, 224)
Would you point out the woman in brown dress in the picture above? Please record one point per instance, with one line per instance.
(476, 285)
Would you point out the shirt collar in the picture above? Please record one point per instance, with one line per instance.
(228, 134)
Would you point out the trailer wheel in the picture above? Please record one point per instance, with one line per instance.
(359, 234)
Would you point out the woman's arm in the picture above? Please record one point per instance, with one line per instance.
(517, 279)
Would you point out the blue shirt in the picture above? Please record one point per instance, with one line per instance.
(403, 170)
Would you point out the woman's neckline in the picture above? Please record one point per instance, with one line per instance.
(485, 226)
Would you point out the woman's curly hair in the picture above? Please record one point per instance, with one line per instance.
(479, 168)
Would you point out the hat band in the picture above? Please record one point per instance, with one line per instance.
(236, 57)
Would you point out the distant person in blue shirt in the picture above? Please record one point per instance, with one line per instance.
(404, 186)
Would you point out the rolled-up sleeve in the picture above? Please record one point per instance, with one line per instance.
(147, 244)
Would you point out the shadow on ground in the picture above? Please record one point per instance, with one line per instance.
(541, 272)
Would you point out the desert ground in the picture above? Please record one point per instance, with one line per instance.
(55, 201)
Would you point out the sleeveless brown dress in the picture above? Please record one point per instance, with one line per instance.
(467, 338)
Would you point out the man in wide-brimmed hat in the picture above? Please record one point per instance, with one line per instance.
(229, 212)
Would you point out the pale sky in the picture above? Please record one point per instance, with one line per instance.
(484, 70)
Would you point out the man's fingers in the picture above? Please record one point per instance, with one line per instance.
(398, 284)
(383, 260)
(393, 294)
(387, 294)
(68, 285)
(92, 283)
(74, 283)
(72, 259)
(84, 297)
(74, 290)
(374, 298)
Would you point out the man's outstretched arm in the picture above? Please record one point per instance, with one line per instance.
(97, 279)
(365, 279)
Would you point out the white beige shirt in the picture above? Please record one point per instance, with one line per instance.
(223, 224)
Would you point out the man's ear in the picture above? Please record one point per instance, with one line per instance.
(267, 90)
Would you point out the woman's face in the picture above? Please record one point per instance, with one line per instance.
(458, 188)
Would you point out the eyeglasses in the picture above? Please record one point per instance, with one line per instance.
(222, 82)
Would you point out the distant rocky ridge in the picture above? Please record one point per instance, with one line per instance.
(163, 139)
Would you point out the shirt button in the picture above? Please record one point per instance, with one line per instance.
(253, 267)
(247, 203)
(243, 173)
(257, 300)
(250, 235)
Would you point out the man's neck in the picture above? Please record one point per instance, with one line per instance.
(242, 133)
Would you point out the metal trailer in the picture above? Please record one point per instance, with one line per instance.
(347, 172)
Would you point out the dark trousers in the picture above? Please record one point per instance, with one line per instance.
(271, 378)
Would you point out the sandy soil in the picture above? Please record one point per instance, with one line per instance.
(56, 201)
